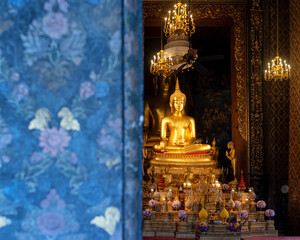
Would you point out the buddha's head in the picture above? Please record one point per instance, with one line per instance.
(230, 145)
(177, 99)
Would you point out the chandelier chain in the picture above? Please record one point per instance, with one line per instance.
(277, 69)
(277, 27)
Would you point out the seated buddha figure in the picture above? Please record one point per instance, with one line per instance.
(178, 131)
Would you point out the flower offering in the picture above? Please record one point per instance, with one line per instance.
(237, 204)
(234, 227)
(261, 204)
(203, 227)
(225, 187)
(243, 214)
(152, 203)
(270, 213)
(147, 213)
(182, 214)
(176, 204)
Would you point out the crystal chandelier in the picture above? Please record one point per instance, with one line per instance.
(278, 69)
(179, 23)
(162, 63)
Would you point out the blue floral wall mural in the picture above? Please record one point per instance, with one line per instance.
(70, 125)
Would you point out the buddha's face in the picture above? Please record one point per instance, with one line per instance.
(179, 103)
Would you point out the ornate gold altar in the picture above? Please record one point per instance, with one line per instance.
(179, 168)
(233, 14)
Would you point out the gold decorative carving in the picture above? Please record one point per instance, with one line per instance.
(237, 13)
(200, 1)
(294, 136)
(256, 106)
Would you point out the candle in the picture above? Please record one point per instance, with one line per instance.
(232, 193)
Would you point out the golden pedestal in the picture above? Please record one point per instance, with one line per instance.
(185, 230)
(148, 230)
(220, 229)
(252, 207)
(182, 226)
(245, 227)
(270, 225)
(257, 226)
(260, 216)
(166, 229)
(178, 163)
(191, 217)
(252, 216)
(223, 235)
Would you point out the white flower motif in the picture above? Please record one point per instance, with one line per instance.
(109, 222)
(4, 221)
(68, 121)
(41, 119)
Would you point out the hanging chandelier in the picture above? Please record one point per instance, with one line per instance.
(277, 69)
(179, 22)
(162, 63)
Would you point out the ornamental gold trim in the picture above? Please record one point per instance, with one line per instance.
(256, 91)
(237, 13)
(199, 1)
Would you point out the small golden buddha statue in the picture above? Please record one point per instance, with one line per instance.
(231, 156)
(178, 131)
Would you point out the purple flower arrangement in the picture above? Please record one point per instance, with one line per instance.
(270, 213)
(176, 204)
(234, 227)
(182, 214)
(237, 204)
(225, 187)
(152, 203)
(147, 213)
(243, 214)
(261, 204)
(203, 227)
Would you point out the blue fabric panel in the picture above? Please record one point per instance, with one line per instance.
(62, 119)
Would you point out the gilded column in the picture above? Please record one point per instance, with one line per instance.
(256, 106)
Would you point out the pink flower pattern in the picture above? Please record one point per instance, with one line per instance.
(54, 141)
(55, 25)
(87, 89)
(261, 204)
(21, 91)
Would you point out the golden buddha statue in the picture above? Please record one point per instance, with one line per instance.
(178, 131)
(231, 156)
(178, 150)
